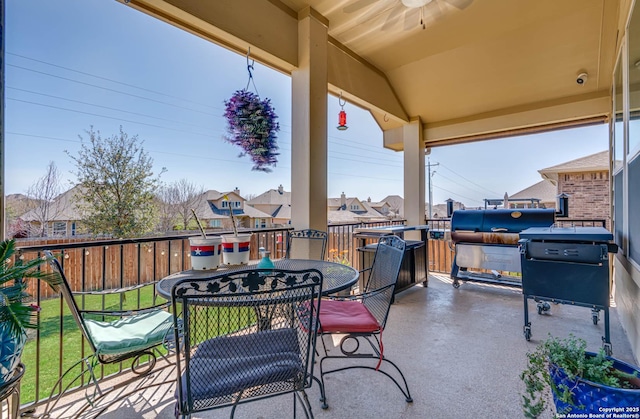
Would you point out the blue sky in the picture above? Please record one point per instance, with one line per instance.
(73, 64)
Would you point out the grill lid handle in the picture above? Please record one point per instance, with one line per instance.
(499, 229)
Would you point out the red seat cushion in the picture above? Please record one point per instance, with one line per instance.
(346, 316)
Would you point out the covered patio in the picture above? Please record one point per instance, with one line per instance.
(441, 72)
(462, 351)
(479, 70)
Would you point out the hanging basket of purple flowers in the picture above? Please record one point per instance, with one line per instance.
(252, 125)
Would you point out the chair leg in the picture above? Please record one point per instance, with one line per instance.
(351, 355)
(306, 406)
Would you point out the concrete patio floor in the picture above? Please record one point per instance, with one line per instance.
(461, 350)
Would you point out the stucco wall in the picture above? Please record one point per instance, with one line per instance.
(588, 194)
(627, 297)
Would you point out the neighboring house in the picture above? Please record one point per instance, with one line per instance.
(440, 210)
(586, 181)
(544, 192)
(381, 207)
(396, 205)
(276, 202)
(346, 204)
(346, 210)
(61, 216)
(214, 210)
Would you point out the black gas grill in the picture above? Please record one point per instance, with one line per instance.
(486, 243)
(568, 266)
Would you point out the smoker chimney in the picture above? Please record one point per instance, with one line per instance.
(449, 207)
(280, 189)
(563, 205)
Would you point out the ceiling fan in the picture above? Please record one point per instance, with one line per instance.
(415, 12)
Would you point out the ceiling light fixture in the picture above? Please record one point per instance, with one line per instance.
(414, 3)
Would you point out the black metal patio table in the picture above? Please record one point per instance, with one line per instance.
(336, 276)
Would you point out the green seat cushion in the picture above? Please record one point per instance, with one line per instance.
(129, 334)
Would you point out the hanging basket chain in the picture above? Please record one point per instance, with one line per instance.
(250, 71)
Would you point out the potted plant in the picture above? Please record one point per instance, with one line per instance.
(580, 382)
(16, 315)
(252, 125)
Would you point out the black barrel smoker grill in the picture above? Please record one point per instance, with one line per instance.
(486, 242)
(568, 266)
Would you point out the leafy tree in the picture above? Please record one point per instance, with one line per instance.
(117, 176)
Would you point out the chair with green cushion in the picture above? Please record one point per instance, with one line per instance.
(113, 336)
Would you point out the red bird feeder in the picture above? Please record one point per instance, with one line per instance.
(342, 116)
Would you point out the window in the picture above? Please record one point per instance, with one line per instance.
(59, 228)
(215, 223)
(225, 204)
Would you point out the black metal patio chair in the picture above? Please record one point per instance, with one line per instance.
(315, 241)
(113, 336)
(245, 336)
(362, 319)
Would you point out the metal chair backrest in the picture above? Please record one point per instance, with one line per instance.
(384, 276)
(306, 244)
(67, 296)
(249, 329)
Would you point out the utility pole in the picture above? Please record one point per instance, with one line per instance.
(429, 174)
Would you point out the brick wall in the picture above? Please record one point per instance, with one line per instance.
(588, 194)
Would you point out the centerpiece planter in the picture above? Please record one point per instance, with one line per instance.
(205, 252)
(236, 248)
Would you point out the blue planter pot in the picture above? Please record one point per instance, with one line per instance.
(10, 353)
(596, 396)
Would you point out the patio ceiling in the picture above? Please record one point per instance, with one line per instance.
(480, 68)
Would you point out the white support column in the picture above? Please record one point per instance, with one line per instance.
(309, 124)
(413, 176)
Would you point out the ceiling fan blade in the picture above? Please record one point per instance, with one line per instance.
(412, 19)
(460, 4)
(434, 11)
(357, 5)
(393, 18)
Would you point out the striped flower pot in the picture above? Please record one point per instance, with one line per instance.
(205, 253)
(235, 249)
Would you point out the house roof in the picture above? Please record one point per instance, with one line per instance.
(63, 208)
(283, 211)
(597, 162)
(249, 211)
(335, 202)
(544, 190)
(395, 202)
(272, 197)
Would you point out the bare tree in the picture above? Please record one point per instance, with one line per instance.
(42, 196)
(188, 196)
(176, 201)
